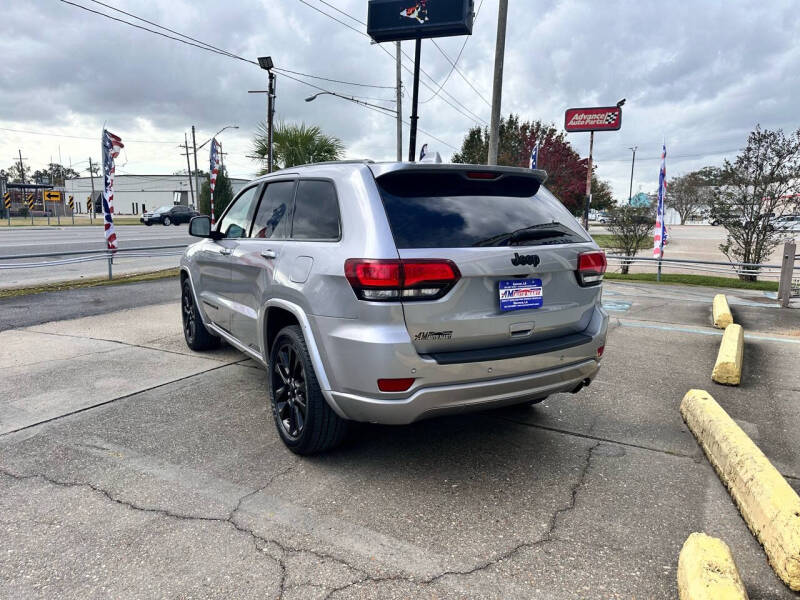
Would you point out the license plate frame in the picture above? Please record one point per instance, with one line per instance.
(520, 294)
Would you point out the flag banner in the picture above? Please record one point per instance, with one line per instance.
(423, 152)
(660, 232)
(112, 144)
(213, 171)
(535, 156)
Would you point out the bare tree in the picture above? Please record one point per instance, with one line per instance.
(630, 227)
(760, 184)
(690, 194)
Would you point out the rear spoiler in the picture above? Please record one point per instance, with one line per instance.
(380, 169)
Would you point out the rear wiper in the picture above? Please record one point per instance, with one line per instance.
(534, 232)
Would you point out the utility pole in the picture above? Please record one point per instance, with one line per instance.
(188, 166)
(497, 86)
(22, 176)
(633, 161)
(412, 136)
(270, 119)
(196, 174)
(91, 176)
(399, 98)
(588, 183)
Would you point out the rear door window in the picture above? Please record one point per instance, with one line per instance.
(316, 211)
(271, 220)
(448, 210)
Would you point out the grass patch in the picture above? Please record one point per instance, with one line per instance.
(66, 221)
(706, 280)
(89, 282)
(605, 240)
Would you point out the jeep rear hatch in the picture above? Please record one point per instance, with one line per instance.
(514, 254)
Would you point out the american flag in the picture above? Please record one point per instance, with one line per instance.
(214, 169)
(534, 156)
(112, 144)
(660, 234)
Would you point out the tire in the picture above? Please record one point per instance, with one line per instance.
(194, 332)
(292, 380)
(166, 221)
(148, 223)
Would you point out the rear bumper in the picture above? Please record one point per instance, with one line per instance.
(354, 354)
(440, 400)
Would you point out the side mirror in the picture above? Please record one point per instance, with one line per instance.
(200, 226)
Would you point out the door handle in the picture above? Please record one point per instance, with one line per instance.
(268, 253)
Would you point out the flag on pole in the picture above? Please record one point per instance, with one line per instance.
(213, 170)
(535, 156)
(423, 152)
(660, 233)
(112, 144)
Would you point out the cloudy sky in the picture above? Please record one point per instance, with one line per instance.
(698, 74)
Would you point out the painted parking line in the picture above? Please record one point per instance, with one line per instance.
(617, 306)
(700, 331)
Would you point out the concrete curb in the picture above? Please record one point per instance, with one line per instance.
(728, 368)
(706, 570)
(721, 312)
(769, 506)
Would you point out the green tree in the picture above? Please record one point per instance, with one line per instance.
(602, 196)
(762, 183)
(59, 174)
(223, 194)
(630, 228)
(13, 173)
(295, 145)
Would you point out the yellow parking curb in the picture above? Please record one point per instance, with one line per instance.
(728, 368)
(706, 570)
(769, 506)
(721, 312)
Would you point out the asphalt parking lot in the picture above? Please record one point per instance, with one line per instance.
(133, 467)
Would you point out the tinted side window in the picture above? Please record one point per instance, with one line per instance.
(316, 211)
(237, 220)
(271, 219)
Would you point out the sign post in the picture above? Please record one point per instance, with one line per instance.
(599, 118)
(396, 20)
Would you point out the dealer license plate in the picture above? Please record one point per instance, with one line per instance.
(518, 294)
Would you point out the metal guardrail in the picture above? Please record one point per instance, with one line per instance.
(707, 266)
(80, 256)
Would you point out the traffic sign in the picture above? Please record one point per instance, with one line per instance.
(88, 204)
(71, 203)
(7, 199)
(52, 196)
(30, 201)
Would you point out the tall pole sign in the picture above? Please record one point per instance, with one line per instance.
(598, 118)
(396, 20)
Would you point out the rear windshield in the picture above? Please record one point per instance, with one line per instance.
(516, 212)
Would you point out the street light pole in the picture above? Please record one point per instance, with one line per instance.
(196, 174)
(633, 161)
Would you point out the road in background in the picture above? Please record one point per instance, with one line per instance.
(35, 240)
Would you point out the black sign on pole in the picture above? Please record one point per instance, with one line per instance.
(396, 20)
(393, 20)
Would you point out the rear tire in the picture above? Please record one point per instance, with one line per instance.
(305, 422)
(194, 332)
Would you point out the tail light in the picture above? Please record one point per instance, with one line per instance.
(591, 266)
(405, 279)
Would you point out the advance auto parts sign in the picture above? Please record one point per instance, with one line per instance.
(602, 118)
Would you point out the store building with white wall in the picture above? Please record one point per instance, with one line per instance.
(133, 194)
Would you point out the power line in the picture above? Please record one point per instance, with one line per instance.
(463, 110)
(674, 156)
(383, 87)
(457, 70)
(464, 45)
(78, 137)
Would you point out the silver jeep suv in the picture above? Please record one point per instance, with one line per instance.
(393, 292)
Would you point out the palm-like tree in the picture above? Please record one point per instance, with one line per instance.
(295, 145)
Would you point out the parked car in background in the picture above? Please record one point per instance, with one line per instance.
(603, 217)
(394, 292)
(787, 224)
(169, 215)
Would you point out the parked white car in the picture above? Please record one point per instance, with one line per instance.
(787, 223)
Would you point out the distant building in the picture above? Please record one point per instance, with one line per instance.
(134, 194)
(641, 199)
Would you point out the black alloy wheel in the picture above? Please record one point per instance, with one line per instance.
(289, 385)
(194, 332)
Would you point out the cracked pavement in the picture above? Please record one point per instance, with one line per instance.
(133, 467)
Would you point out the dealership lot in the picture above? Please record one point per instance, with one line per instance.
(133, 467)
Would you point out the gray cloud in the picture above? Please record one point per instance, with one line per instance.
(699, 75)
